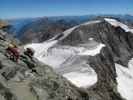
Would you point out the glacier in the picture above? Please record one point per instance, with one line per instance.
(70, 61)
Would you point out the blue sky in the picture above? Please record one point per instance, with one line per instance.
(38, 8)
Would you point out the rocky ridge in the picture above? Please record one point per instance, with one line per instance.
(32, 80)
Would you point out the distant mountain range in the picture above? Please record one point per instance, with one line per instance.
(17, 24)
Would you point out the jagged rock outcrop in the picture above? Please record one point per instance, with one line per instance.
(31, 80)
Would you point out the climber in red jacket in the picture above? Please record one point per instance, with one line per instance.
(12, 52)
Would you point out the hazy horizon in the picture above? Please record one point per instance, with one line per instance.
(11, 9)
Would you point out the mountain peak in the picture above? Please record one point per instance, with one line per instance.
(92, 51)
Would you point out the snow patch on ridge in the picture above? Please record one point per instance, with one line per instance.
(125, 80)
(69, 31)
(117, 23)
(91, 22)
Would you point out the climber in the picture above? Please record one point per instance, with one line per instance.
(12, 52)
(29, 52)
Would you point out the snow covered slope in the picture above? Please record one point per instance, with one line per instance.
(125, 80)
(117, 23)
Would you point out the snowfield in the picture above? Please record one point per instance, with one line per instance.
(70, 61)
(81, 79)
(125, 80)
(92, 52)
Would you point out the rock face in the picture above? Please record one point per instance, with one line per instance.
(32, 80)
